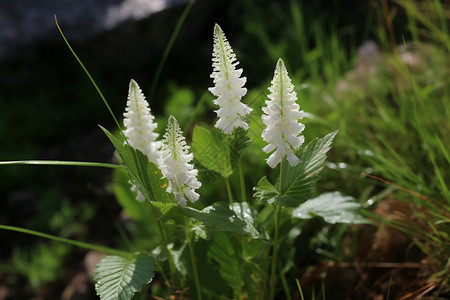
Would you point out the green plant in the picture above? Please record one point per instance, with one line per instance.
(224, 235)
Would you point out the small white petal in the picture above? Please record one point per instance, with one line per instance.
(228, 85)
(292, 159)
(281, 117)
(175, 166)
(139, 127)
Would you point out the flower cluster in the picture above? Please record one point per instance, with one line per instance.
(175, 166)
(281, 118)
(139, 125)
(228, 86)
(172, 155)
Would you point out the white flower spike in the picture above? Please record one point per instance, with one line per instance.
(139, 128)
(228, 87)
(175, 166)
(281, 118)
(139, 125)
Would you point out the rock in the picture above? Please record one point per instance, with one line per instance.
(91, 260)
(24, 22)
(368, 60)
(80, 287)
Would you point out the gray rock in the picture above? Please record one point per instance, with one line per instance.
(24, 22)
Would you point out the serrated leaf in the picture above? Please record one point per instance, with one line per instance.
(166, 211)
(237, 142)
(137, 210)
(220, 217)
(265, 192)
(119, 278)
(299, 181)
(221, 250)
(333, 208)
(211, 151)
(143, 173)
(249, 215)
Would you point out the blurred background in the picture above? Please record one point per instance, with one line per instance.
(376, 70)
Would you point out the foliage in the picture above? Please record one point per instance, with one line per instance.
(394, 125)
(332, 207)
(119, 278)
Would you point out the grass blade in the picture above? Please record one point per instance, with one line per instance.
(61, 163)
(108, 250)
(169, 47)
(88, 75)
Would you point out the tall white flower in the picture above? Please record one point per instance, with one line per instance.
(175, 166)
(228, 87)
(281, 117)
(139, 128)
(139, 125)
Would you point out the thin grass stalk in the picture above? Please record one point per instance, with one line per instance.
(242, 180)
(61, 163)
(172, 268)
(174, 36)
(193, 260)
(285, 286)
(299, 289)
(275, 246)
(108, 250)
(89, 76)
(389, 288)
(227, 184)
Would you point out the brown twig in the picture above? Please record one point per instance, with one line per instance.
(395, 185)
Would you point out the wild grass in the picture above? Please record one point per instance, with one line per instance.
(394, 121)
(393, 116)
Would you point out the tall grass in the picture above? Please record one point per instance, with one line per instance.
(394, 118)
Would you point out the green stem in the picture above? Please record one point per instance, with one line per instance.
(242, 180)
(108, 250)
(273, 269)
(169, 47)
(168, 253)
(275, 246)
(227, 183)
(193, 260)
(89, 76)
(60, 163)
(281, 176)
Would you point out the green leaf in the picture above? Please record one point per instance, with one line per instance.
(266, 193)
(299, 181)
(143, 173)
(166, 211)
(249, 215)
(119, 278)
(333, 208)
(211, 151)
(237, 142)
(220, 217)
(137, 210)
(221, 250)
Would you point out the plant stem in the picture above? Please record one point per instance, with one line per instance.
(168, 253)
(275, 245)
(230, 195)
(242, 180)
(193, 260)
(169, 47)
(61, 163)
(273, 270)
(281, 176)
(89, 76)
(108, 250)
